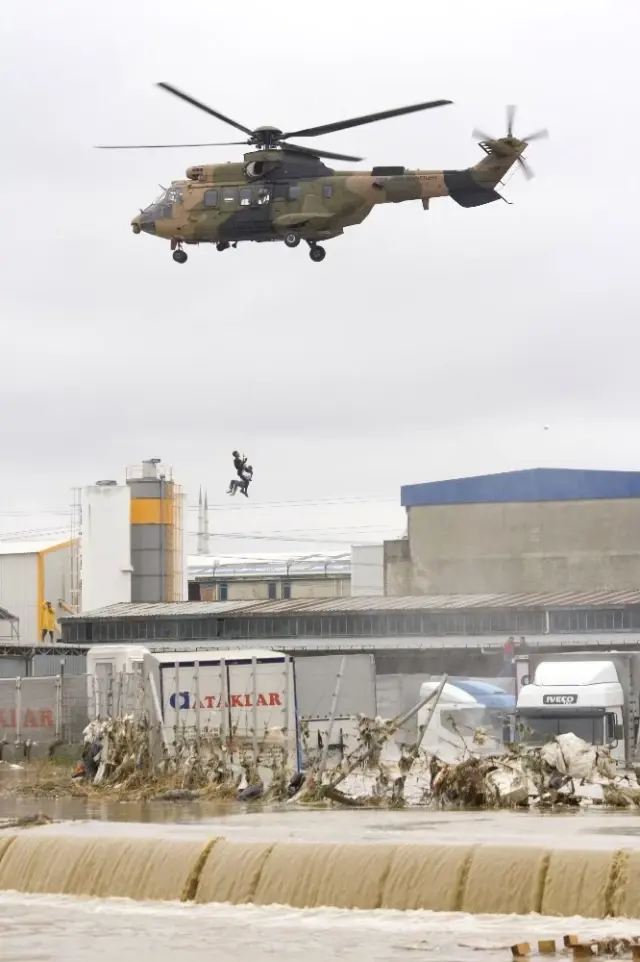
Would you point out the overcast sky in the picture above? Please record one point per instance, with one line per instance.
(426, 345)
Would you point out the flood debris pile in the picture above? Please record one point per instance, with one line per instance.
(130, 758)
(560, 772)
(25, 821)
(612, 947)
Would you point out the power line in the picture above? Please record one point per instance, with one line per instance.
(294, 540)
(33, 514)
(34, 534)
(295, 504)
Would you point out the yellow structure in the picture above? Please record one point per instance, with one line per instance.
(30, 574)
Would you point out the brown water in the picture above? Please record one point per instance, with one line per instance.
(586, 862)
(63, 929)
(468, 878)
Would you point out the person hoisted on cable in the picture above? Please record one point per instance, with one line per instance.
(245, 475)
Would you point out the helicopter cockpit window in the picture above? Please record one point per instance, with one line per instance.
(263, 195)
(172, 195)
(228, 195)
(210, 198)
(246, 196)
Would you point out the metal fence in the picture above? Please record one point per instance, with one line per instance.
(43, 711)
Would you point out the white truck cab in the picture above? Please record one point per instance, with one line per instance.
(584, 697)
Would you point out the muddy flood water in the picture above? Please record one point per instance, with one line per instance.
(80, 929)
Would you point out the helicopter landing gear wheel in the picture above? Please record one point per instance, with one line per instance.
(291, 239)
(317, 253)
(180, 257)
(222, 245)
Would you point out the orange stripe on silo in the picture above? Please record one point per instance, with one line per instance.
(151, 511)
(40, 588)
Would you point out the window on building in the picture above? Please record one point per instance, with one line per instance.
(327, 190)
(211, 198)
(286, 590)
(271, 588)
(223, 592)
(229, 195)
(246, 196)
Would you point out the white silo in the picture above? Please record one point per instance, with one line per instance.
(105, 544)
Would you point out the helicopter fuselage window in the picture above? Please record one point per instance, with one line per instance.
(327, 190)
(210, 198)
(263, 195)
(246, 196)
(229, 195)
(294, 191)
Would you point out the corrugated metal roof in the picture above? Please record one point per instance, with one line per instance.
(347, 605)
(229, 654)
(620, 641)
(27, 547)
(536, 484)
(269, 565)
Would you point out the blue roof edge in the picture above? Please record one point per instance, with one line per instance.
(529, 485)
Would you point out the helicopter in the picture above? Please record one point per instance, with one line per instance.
(282, 191)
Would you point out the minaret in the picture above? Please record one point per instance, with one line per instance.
(201, 525)
(205, 527)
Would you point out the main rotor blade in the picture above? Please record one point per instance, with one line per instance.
(511, 114)
(319, 153)
(226, 143)
(538, 135)
(200, 106)
(480, 135)
(366, 119)
(526, 169)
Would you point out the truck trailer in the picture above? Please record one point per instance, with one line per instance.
(241, 691)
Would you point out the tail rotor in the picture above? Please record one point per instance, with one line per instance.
(493, 144)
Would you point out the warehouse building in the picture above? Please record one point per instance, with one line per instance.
(30, 574)
(272, 577)
(459, 633)
(542, 530)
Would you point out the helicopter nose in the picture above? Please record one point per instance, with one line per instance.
(145, 221)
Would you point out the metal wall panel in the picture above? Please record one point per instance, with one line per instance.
(29, 711)
(44, 666)
(13, 667)
(19, 592)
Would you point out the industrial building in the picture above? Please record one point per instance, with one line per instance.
(126, 544)
(132, 539)
(542, 530)
(424, 633)
(271, 577)
(30, 574)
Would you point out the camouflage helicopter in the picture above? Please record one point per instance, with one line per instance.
(282, 191)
